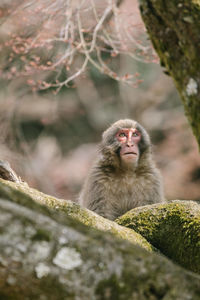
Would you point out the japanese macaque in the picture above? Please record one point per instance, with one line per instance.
(124, 175)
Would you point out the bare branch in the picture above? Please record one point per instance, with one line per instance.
(46, 36)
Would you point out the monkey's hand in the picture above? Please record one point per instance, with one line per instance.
(7, 173)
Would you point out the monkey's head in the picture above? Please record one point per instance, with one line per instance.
(125, 142)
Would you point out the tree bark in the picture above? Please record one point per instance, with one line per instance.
(46, 254)
(174, 29)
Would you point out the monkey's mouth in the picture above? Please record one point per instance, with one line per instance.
(130, 153)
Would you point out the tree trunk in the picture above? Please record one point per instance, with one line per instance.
(174, 29)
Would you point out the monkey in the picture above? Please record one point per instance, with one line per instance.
(124, 175)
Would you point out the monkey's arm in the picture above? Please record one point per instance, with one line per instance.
(93, 193)
(156, 192)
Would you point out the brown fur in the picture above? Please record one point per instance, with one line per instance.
(112, 188)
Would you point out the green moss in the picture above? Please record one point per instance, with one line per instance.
(173, 228)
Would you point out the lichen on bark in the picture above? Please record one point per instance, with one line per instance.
(174, 29)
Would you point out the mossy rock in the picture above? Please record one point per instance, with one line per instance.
(173, 228)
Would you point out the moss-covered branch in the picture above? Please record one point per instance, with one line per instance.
(173, 228)
(174, 28)
(22, 194)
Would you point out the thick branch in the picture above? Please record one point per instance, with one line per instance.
(174, 28)
(22, 194)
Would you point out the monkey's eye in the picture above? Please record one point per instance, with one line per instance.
(136, 133)
(122, 134)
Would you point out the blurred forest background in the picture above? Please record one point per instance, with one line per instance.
(50, 131)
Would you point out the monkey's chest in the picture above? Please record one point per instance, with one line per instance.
(126, 193)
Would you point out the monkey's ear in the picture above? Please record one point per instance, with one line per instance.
(145, 135)
(109, 135)
(107, 139)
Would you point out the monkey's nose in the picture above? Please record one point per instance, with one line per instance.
(130, 144)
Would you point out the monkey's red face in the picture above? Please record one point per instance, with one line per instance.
(129, 139)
